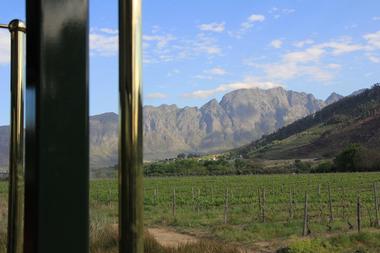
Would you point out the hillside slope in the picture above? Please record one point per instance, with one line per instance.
(353, 119)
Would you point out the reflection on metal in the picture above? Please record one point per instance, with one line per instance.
(16, 162)
(130, 129)
(56, 127)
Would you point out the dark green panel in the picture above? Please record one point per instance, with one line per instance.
(57, 149)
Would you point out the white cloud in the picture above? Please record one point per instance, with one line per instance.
(109, 30)
(209, 74)
(373, 58)
(376, 18)
(156, 95)
(308, 61)
(278, 12)
(254, 18)
(334, 66)
(310, 54)
(161, 41)
(373, 39)
(289, 71)
(104, 41)
(168, 48)
(247, 84)
(205, 44)
(4, 47)
(104, 45)
(276, 43)
(342, 47)
(212, 27)
(247, 25)
(216, 71)
(303, 43)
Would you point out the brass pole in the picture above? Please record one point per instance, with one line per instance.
(130, 129)
(16, 157)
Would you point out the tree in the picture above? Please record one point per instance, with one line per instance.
(350, 159)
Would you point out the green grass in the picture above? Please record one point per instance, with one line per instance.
(354, 243)
(204, 214)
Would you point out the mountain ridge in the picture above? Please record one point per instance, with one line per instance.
(240, 117)
(351, 120)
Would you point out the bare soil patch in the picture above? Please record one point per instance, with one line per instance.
(170, 238)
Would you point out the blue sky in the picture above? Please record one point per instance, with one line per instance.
(198, 50)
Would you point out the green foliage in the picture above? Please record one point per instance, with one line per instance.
(323, 167)
(309, 246)
(359, 243)
(357, 158)
(302, 167)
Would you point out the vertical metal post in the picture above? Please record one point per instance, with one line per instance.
(130, 129)
(16, 154)
(57, 127)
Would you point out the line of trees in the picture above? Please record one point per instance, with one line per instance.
(354, 158)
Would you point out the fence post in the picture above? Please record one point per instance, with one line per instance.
(305, 231)
(358, 213)
(377, 223)
(290, 205)
(259, 200)
(226, 206)
(193, 195)
(155, 197)
(199, 201)
(331, 217)
(263, 206)
(174, 203)
(212, 194)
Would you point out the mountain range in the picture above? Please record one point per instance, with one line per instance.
(242, 116)
(354, 119)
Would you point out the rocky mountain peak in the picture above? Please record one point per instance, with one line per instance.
(334, 97)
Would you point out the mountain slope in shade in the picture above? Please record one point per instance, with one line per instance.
(353, 119)
(334, 97)
(239, 118)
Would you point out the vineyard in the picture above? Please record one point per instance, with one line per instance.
(250, 208)
(245, 209)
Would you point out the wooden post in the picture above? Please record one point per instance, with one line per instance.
(331, 217)
(226, 207)
(155, 197)
(376, 203)
(319, 190)
(199, 201)
(109, 197)
(174, 203)
(193, 194)
(263, 206)
(290, 205)
(305, 231)
(212, 194)
(358, 214)
(259, 200)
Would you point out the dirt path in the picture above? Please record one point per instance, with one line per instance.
(171, 238)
